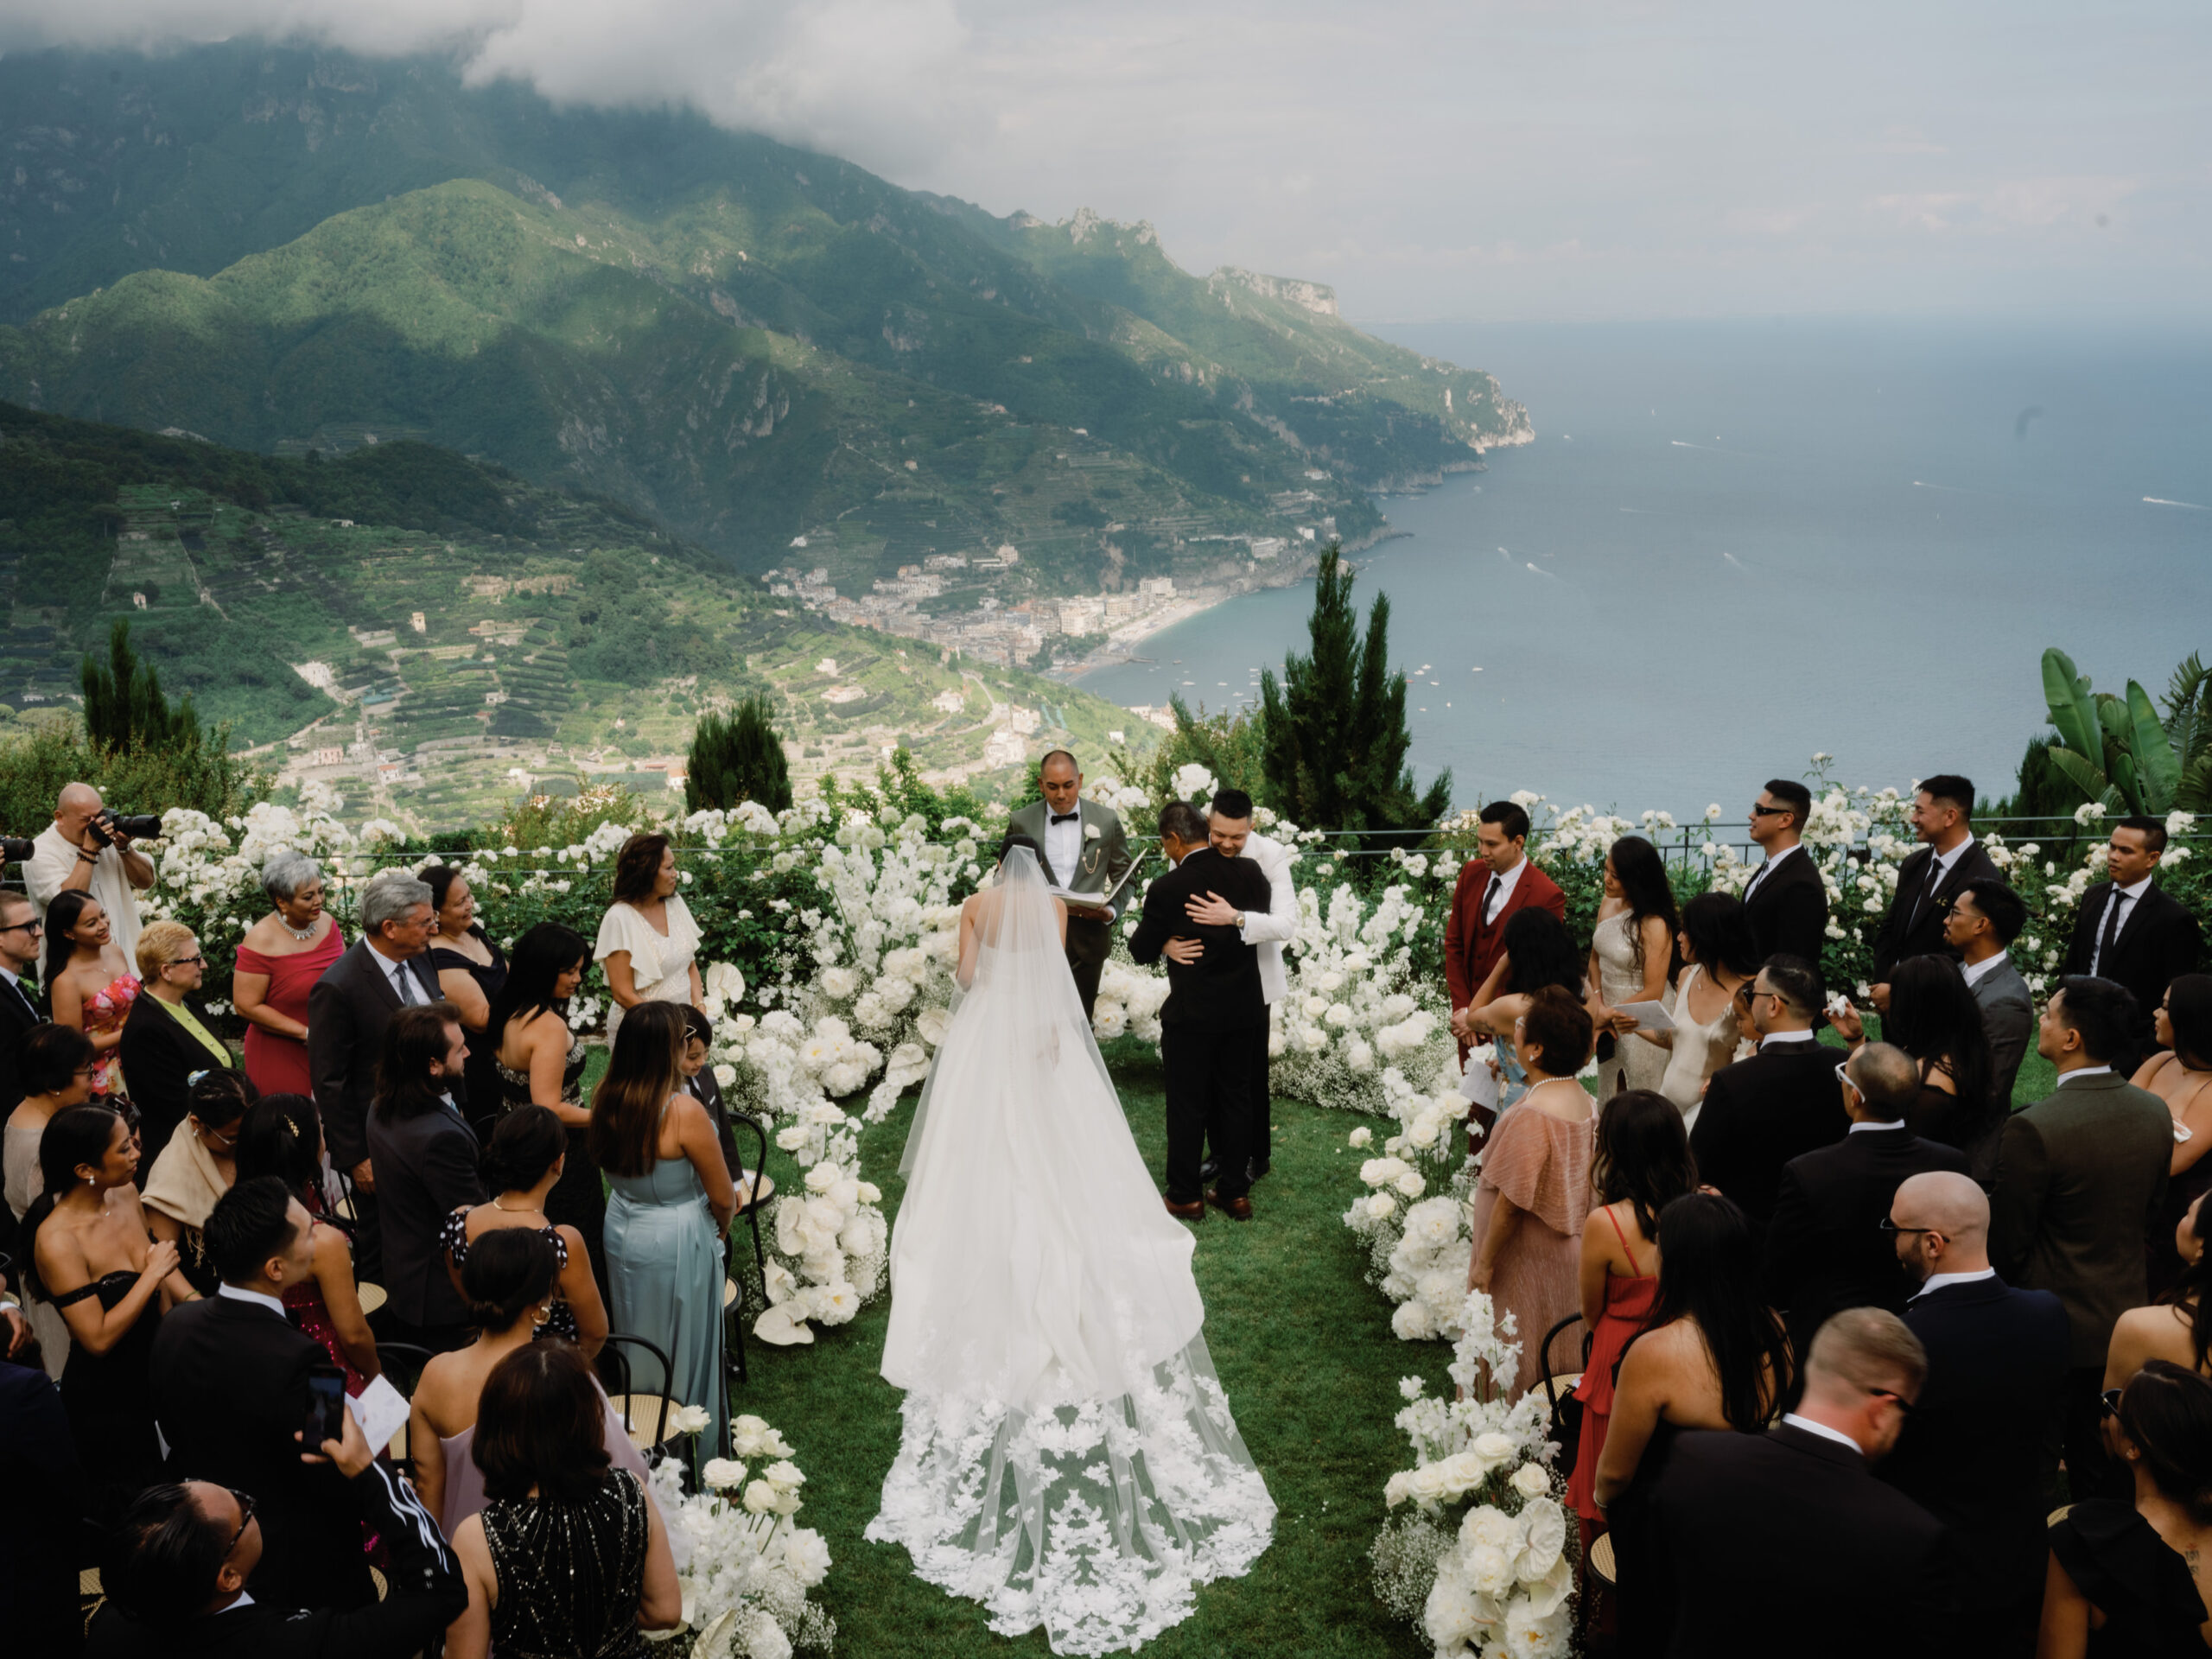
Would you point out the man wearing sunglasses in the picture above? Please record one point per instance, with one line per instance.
(178, 1568)
(1972, 1454)
(1784, 1541)
(1786, 903)
(21, 1004)
(1760, 1113)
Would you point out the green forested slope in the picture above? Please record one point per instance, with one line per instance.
(749, 340)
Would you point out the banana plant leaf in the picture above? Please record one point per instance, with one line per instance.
(2156, 764)
(2071, 710)
(2083, 774)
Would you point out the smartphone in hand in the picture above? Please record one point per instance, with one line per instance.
(326, 1418)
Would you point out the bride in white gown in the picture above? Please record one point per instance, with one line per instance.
(1067, 1455)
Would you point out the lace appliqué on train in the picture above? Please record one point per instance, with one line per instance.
(1098, 1519)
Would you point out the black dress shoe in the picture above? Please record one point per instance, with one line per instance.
(1208, 1170)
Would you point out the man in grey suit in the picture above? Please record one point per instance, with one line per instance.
(1084, 852)
(1984, 920)
(347, 1011)
(2080, 1179)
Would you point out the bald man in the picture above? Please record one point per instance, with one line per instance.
(78, 854)
(1784, 1543)
(1973, 1454)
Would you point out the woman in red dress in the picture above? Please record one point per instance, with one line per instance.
(279, 961)
(1642, 1164)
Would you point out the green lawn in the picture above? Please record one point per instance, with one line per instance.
(1304, 1348)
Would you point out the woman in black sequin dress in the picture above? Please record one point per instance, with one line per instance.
(567, 1559)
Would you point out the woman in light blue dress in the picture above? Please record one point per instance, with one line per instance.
(669, 1211)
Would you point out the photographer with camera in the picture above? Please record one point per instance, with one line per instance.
(87, 850)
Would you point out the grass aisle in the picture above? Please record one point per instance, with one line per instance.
(1304, 1348)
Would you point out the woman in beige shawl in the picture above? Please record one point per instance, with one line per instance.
(196, 1168)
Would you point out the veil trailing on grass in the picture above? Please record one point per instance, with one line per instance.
(1068, 1457)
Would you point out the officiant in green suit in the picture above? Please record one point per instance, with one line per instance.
(1084, 852)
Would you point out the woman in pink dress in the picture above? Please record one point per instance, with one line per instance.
(89, 982)
(279, 961)
(1644, 1164)
(1534, 1192)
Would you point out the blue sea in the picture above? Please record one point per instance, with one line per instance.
(1733, 545)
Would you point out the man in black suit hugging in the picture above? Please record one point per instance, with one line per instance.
(1825, 1250)
(1949, 857)
(2129, 931)
(1783, 1543)
(229, 1376)
(1786, 903)
(1214, 1005)
(1785, 1100)
(1971, 1453)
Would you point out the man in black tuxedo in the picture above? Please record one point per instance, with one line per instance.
(21, 1004)
(1825, 1248)
(1986, 918)
(42, 1509)
(388, 969)
(1786, 903)
(229, 1380)
(1949, 857)
(2080, 1180)
(1760, 1113)
(1972, 1452)
(2130, 932)
(1783, 1543)
(1214, 1004)
(426, 1159)
(177, 1572)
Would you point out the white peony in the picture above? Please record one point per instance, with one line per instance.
(838, 984)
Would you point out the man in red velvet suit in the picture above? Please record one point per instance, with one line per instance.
(1499, 880)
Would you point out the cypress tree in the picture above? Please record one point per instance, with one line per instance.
(124, 705)
(737, 757)
(1334, 744)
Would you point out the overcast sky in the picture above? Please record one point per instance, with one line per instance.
(1465, 159)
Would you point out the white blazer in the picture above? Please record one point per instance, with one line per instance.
(1280, 922)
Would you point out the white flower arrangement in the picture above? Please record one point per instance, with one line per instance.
(1477, 1552)
(744, 1569)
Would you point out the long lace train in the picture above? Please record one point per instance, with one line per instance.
(1097, 1518)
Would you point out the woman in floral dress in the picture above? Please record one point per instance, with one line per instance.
(90, 983)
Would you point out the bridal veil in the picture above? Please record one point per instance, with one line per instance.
(1067, 1457)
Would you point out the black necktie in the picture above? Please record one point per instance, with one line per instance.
(24, 997)
(1927, 894)
(2111, 929)
(1066, 817)
(1497, 883)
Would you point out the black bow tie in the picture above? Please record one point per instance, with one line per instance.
(1066, 817)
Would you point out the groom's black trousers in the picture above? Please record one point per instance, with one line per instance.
(1209, 1080)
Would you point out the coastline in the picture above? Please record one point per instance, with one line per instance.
(1121, 649)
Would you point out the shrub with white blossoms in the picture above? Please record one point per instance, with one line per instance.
(1477, 1551)
(744, 1569)
(1413, 1214)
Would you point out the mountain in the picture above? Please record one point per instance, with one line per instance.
(418, 626)
(283, 249)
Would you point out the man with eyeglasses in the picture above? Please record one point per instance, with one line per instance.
(1760, 1113)
(22, 1003)
(1786, 902)
(178, 1567)
(1825, 1250)
(1784, 1543)
(1973, 1454)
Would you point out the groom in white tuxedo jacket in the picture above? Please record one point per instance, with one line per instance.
(1230, 829)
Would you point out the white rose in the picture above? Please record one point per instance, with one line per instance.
(1494, 1448)
(1530, 1480)
(1382, 1207)
(723, 1473)
(1363, 1136)
(726, 1075)
(1090, 832)
(765, 1638)
(759, 1497)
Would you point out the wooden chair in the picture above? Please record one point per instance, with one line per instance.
(645, 1413)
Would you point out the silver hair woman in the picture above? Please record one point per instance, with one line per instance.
(278, 963)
